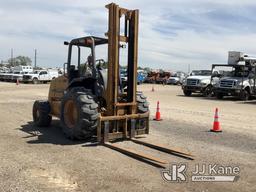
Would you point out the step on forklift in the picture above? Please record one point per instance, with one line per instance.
(91, 102)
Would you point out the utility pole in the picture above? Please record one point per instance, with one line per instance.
(12, 57)
(35, 57)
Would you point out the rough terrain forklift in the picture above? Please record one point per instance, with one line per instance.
(95, 103)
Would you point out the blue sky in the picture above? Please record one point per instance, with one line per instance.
(173, 33)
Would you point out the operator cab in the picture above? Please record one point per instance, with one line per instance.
(82, 62)
(82, 67)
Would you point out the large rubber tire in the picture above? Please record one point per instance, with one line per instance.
(41, 110)
(245, 95)
(208, 91)
(178, 83)
(83, 121)
(143, 105)
(35, 81)
(187, 93)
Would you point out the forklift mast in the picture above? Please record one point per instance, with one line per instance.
(121, 119)
(114, 99)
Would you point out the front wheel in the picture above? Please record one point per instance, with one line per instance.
(35, 81)
(245, 95)
(187, 93)
(79, 114)
(142, 107)
(178, 83)
(208, 91)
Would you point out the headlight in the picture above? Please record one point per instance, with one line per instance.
(238, 85)
(203, 82)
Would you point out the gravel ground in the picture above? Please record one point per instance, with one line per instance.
(42, 159)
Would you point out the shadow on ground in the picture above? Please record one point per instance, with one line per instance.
(52, 135)
(193, 96)
(253, 102)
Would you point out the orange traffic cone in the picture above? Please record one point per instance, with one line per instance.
(158, 115)
(153, 89)
(17, 82)
(216, 124)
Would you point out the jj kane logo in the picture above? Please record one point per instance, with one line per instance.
(176, 173)
(201, 173)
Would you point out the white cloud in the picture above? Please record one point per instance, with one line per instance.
(173, 33)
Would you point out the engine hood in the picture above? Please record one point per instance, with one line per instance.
(174, 78)
(200, 77)
(234, 78)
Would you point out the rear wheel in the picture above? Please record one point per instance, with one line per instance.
(187, 93)
(41, 110)
(79, 113)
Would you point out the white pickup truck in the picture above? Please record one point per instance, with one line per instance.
(43, 76)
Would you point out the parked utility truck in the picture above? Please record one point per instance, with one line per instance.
(240, 81)
(199, 81)
(43, 76)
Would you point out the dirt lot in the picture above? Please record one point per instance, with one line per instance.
(35, 159)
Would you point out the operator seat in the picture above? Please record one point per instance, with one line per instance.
(73, 72)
